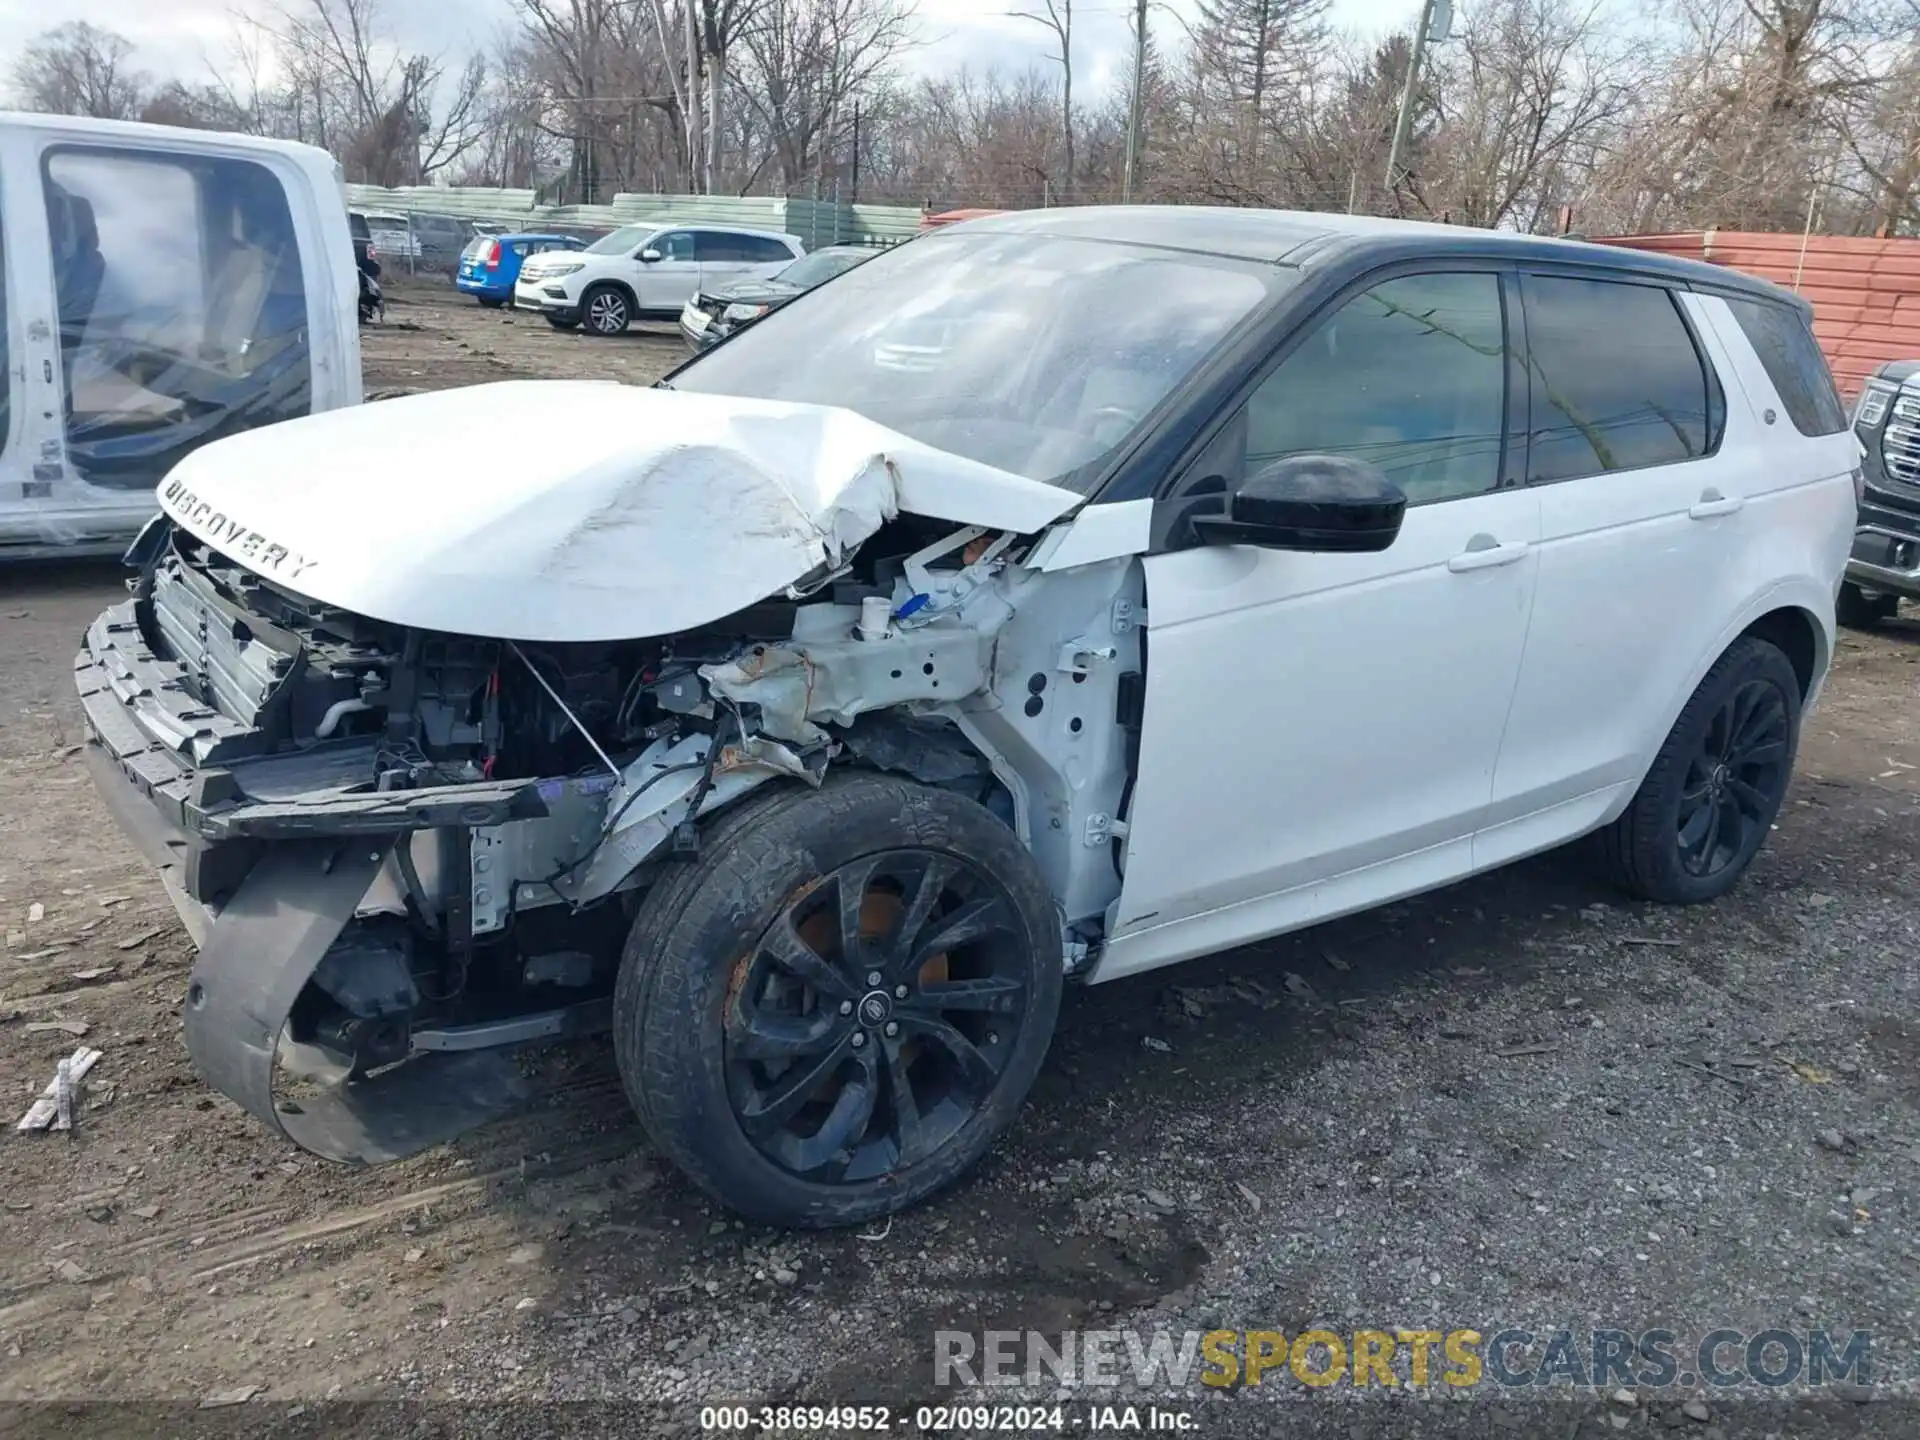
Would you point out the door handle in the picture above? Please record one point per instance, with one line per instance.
(1712, 503)
(1483, 552)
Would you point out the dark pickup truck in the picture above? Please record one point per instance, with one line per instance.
(1885, 566)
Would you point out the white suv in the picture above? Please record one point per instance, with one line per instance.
(809, 725)
(646, 269)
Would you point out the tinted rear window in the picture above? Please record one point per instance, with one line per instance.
(1786, 347)
(1618, 383)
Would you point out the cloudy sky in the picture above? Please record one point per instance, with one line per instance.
(181, 37)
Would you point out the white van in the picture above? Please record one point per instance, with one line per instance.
(159, 288)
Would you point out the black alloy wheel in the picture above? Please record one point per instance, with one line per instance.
(1735, 780)
(1708, 802)
(876, 1015)
(838, 1007)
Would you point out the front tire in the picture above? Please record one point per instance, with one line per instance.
(491, 302)
(763, 1055)
(1705, 808)
(605, 310)
(1857, 610)
(562, 322)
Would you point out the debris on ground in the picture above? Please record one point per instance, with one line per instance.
(75, 1028)
(239, 1395)
(56, 1107)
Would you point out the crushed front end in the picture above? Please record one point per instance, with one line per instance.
(404, 852)
(390, 844)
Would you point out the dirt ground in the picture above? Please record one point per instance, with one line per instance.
(1520, 1100)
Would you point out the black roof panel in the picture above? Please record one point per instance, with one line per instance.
(1303, 237)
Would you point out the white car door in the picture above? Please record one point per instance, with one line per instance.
(667, 283)
(1643, 469)
(1320, 730)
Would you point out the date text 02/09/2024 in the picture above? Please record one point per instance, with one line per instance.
(945, 1419)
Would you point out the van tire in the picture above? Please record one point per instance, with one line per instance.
(695, 979)
(1726, 762)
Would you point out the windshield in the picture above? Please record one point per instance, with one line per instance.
(814, 270)
(1035, 354)
(623, 241)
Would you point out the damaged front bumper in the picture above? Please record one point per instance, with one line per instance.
(265, 879)
(269, 858)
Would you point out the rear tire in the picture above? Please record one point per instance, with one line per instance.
(1706, 806)
(757, 1048)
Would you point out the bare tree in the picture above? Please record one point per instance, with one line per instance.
(806, 59)
(380, 110)
(79, 69)
(1254, 50)
(1526, 98)
(1057, 16)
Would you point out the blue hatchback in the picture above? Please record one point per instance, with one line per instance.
(491, 263)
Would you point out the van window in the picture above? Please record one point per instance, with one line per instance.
(181, 301)
(1617, 381)
(1411, 375)
(1782, 339)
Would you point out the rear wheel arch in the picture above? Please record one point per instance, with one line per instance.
(1796, 634)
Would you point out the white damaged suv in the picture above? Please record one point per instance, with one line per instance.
(808, 725)
(646, 270)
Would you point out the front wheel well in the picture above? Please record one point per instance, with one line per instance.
(633, 300)
(1796, 634)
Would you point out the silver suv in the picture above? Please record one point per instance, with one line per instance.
(647, 270)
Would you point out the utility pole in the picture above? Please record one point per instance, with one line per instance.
(1436, 21)
(699, 178)
(1139, 99)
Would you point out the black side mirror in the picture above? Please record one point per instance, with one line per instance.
(1310, 502)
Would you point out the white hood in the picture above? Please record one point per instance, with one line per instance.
(572, 510)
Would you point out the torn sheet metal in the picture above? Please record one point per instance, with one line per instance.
(573, 510)
(815, 682)
(658, 790)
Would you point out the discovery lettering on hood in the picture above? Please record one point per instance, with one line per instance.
(230, 536)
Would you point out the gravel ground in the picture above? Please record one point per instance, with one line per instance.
(1518, 1102)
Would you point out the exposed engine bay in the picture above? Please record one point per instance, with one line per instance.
(488, 811)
